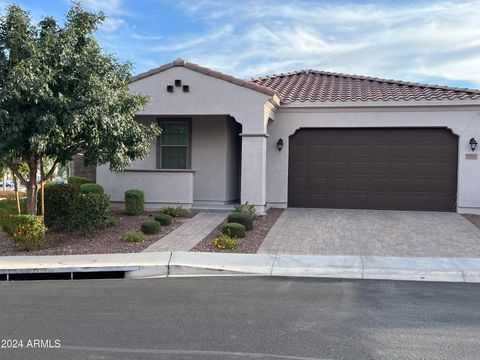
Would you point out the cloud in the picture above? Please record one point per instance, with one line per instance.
(406, 40)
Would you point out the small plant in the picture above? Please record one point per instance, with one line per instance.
(246, 209)
(76, 181)
(134, 236)
(225, 242)
(151, 227)
(134, 202)
(91, 188)
(234, 230)
(163, 219)
(241, 218)
(174, 211)
(28, 232)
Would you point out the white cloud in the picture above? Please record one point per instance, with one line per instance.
(411, 41)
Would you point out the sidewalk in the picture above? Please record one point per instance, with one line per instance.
(174, 264)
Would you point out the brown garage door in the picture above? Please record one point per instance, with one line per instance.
(399, 168)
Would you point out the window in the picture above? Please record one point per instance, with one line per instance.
(174, 144)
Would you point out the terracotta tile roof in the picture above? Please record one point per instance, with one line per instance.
(321, 86)
(216, 74)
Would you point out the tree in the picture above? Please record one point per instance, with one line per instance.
(60, 95)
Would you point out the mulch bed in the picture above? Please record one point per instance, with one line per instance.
(474, 219)
(250, 243)
(102, 242)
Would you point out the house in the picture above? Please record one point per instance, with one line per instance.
(304, 139)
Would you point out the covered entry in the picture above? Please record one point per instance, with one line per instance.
(373, 168)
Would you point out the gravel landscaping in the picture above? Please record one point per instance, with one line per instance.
(247, 245)
(102, 242)
(474, 219)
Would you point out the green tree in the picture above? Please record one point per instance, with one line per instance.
(60, 95)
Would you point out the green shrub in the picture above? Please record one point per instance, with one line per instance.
(8, 209)
(134, 236)
(91, 212)
(151, 227)
(77, 180)
(59, 201)
(134, 202)
(28, 232)
(91, 188)
(163, 219)
(246, 209)
(241, 218)
(225, 242)
(234, 230)
(174, 211)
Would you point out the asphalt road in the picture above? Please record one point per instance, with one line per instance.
(241, 318)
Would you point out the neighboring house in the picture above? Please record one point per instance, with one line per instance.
(348, 142)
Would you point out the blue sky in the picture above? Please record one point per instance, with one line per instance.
(423, 41)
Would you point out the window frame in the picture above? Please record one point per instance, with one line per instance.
(186, 120)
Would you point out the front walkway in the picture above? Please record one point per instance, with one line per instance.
(372, 233)
(187, 235)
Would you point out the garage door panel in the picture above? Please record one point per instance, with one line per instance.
(396, 168)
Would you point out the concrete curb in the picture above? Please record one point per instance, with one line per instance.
(178, 264)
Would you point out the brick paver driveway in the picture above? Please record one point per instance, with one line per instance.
(372, 232)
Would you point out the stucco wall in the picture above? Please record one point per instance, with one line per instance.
(463, 121)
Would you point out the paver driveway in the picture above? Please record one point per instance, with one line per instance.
(372, 232)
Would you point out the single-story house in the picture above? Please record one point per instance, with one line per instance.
(303, 139)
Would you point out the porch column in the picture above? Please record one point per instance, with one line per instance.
(254, 157)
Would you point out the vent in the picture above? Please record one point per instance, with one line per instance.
(186, 88)
(178, 83)
(170, 88)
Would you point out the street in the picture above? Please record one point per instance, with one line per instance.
(239, 318)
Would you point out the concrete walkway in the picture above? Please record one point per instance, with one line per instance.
(372, 233)
(187, 235)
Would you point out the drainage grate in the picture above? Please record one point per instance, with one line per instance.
(63, 276)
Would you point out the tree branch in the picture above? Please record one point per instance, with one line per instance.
(16, 172)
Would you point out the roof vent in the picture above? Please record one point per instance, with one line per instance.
(179, 62)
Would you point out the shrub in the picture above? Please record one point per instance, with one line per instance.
(91, 212)
(134, 202)
(28, 232)
(174, 211)
(151, 227)
(246, 209)
(78, 180)
(134, 236)
(91, 188)
(59, 201)
(8, 209)
(163, 219)
(241, 218)
(225, 242)
(234, 230)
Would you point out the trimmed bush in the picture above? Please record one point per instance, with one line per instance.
(174, 211)
(163, 219)
(28, 232)
(241, 218)
(77, 180)
(246, 209)
(234, 230)
(91, 212)
(8, 209)
(134, 202)
(59, 201)
(91, 188)
(225, 242)
(134, 236)
(151, 227)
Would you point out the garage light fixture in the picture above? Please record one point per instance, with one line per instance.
(473, 144)
(280, 144)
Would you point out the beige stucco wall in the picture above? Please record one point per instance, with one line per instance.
(463, 121)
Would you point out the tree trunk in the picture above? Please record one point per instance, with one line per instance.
(32, 187)
(42, 189)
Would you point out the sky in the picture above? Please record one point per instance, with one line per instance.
(434, 41)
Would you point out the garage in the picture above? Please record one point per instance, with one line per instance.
(373, 168)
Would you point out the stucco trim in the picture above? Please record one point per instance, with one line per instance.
(209, 72)
(254, 135)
